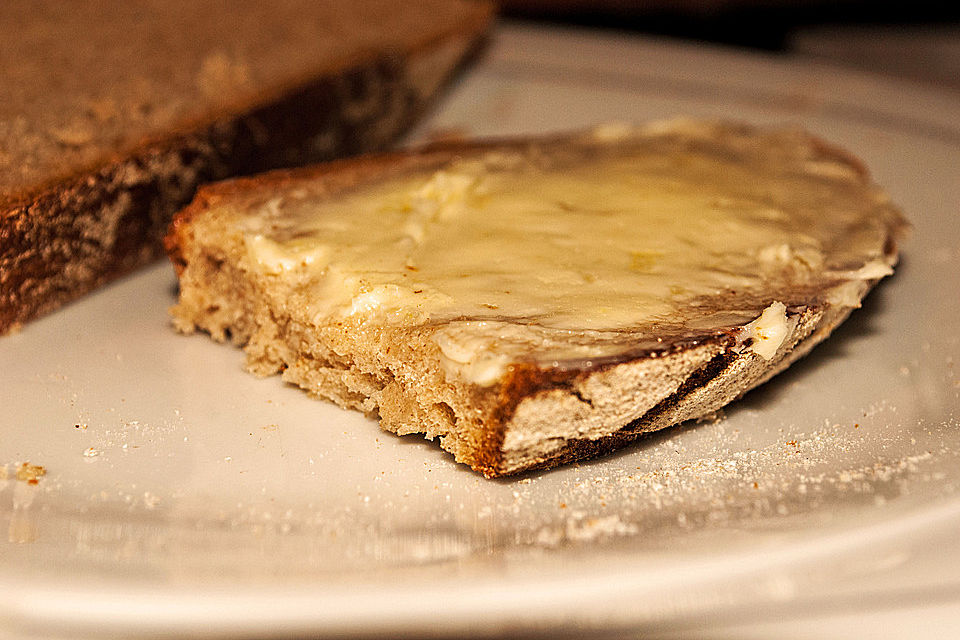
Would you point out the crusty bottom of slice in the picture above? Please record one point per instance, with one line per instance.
(540, 418)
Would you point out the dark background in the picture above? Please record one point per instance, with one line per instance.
(914, 39)
(760, 24)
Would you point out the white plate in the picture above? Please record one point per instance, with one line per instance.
(184, 495)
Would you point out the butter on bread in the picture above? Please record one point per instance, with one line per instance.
(535, 301)
(114, 111)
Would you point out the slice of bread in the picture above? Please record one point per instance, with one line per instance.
(114, 111)
(532, 302)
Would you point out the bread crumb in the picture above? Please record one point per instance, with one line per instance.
(74, 134)
(24, 472)
(219, 73)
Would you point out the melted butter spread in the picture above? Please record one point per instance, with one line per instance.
(670, 226)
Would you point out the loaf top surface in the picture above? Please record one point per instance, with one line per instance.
(92, 79)
(579, 247)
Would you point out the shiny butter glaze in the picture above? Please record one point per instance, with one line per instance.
(585, 249)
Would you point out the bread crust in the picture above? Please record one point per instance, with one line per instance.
(72, 232)
(699, 370)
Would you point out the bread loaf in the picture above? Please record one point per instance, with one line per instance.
(536, 301)
(114, 111)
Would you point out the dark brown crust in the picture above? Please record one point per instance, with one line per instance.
(583, 449)
(527, 380)
(71, 235)
(522, 380)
